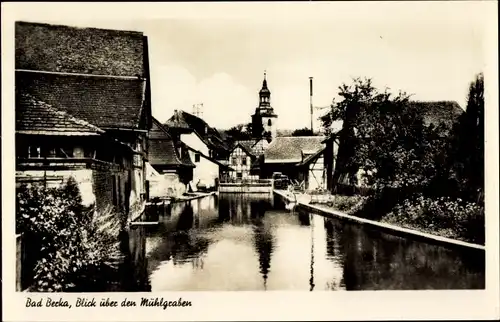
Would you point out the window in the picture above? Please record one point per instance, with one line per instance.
(244, 161)
(235, 161)
(34, 152)
(269, 122)
(239, 175)
(196, 157)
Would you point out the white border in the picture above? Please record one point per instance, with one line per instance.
(208, 306)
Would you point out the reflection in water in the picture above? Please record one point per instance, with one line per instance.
(264, 246)
(311, 280)
(245, 242)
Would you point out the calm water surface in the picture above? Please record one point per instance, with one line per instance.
(250, 242)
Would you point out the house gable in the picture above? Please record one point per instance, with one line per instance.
(292, 149)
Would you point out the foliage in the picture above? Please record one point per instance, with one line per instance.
(384, 139)
(348, 204)
(383, 136)
(240, 132)
(78, 246)
(453, 218)
(466, 155)
(303, 132)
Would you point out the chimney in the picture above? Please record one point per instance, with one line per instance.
(311, 101)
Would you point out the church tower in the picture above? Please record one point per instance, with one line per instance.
(264, 119)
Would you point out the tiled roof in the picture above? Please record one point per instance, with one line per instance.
(162, 149)
(177, 121)
(37, 117)
(246, 144)
(291, 148)
(158, 131)
(184, 121)
(67, 49)
(312, 157)
(185, 158)
(102, 101)
(437, 112)
(162, 152)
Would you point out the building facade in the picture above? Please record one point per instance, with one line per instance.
(300, 158)
(171, 166)
(264, 120)
(241, 161)
(206, 148)
(63, 80)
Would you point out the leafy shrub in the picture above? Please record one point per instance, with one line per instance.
(348, 203)
(78, 247)
(447, 217)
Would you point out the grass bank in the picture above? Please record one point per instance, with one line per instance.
(444, 217)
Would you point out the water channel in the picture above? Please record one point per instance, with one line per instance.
(250, 242)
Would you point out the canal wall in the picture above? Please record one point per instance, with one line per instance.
(392, 229)
(260, 186)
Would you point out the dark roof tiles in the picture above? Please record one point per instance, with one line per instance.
(37, 117)
(102, 101)
(436, 112)
(292, 148)
(184, 121)
(162, 148)
(66, 49)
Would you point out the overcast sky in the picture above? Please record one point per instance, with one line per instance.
(430, 50)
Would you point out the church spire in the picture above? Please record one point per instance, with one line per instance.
(265, 93)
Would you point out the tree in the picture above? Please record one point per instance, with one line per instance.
(384, 137)
(467, 146)
(353, 98)
(303, 132)
(240, 132)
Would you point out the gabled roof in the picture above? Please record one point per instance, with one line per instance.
(290, 149)
(162, 149)
(220, 164)
(311, 157)
(437, 112)
(56, 48)
(187, 122)
(246, 145)
(37, 117)
(102, 101)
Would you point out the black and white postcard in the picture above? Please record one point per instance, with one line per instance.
(250, 161)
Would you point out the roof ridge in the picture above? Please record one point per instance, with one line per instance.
(143, 79)
(169, 137)
(62, 113)
(162, 127)
(52, 25)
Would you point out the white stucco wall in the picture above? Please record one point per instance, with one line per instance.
(192, 140)
(270, 128)
(205, 172)
(166, 185)
(83, 177)
(316, 175)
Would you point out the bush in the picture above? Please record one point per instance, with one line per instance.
(78, 247)
(447, 217)
(348, 204)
